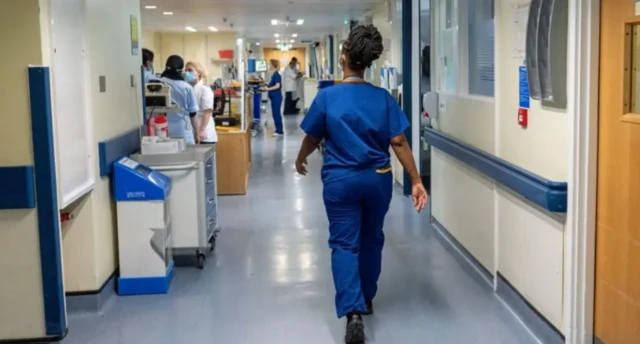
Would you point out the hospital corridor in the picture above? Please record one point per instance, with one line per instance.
(270, 282)
(319, 171)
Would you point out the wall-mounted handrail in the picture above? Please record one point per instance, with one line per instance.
(550, 195)
(17, 187)
(117, 147)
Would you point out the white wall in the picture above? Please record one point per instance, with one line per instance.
(531, 240)
(89, 241)
(503, 231)
(201, 47)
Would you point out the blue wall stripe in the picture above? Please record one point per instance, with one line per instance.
(550, 195)
(47, 200)
(407, 75)
(111, 150)
(17, 187)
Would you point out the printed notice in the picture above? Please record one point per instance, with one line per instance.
(520, 16)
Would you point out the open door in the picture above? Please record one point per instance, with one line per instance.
(617, 303)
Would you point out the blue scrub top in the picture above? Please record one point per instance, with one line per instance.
(357, 122)
(149, 76)
(275, 79)
(179, 123)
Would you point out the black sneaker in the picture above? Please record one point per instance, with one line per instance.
(369, 305)
(355, 330)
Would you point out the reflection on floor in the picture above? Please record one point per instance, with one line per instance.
(270, 280)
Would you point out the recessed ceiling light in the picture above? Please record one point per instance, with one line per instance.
(276, 35)
(277, 41)
(151, 7)
(274, 21)
(294, 35)
(258, 43)
(300, 21)
(189, 28)
(167, 13)
(292, 41)
(213, 29)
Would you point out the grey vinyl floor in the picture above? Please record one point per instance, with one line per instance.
(269, 280)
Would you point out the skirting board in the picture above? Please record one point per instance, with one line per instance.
(530, 318)
(95, 301)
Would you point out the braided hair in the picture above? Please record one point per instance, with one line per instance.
(363, 46)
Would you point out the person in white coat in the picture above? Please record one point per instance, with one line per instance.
(290, 81)
(196, 76)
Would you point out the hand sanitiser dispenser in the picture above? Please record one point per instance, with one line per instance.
(144, 228)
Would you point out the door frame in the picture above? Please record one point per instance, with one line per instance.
(580, 237)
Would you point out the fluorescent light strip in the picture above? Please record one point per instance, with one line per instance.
(294, 35)
(300, 21)
(151, 7)
(276, 35)
(167, 13)
(274, 21)
(189, 28)
(212, 28)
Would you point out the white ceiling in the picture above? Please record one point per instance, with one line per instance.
(252, 18)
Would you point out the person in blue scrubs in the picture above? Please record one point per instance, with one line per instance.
(359, 122)
(181, 124)
(275, 96)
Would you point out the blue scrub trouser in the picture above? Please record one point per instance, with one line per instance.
(356, 207)
(276, 106)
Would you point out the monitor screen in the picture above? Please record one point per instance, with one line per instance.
(261, 66)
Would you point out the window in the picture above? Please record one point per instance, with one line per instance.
(447, 46)
(481, 39)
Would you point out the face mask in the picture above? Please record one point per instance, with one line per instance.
(190, 77)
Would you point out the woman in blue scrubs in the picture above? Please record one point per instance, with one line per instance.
(183, 125)
(359, 122)
(275, 96)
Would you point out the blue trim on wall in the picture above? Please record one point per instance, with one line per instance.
(332, 54)
(407, 84)
(47, 200)
(548, 194)
(115, 148)
(17, 187)
(145, 285)
(143, 89)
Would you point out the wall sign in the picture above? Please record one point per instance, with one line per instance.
(523, 88)
(135, 39)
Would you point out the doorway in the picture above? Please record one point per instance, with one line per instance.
(617, 279)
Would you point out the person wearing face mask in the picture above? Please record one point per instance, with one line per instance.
(147, 64)
(275, 96)
(290, 75)
(181, 124)
(196, 75)
(359, 122)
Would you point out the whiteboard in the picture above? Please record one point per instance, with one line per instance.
(69, 98)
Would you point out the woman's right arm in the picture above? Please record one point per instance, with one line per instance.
(401, 147)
